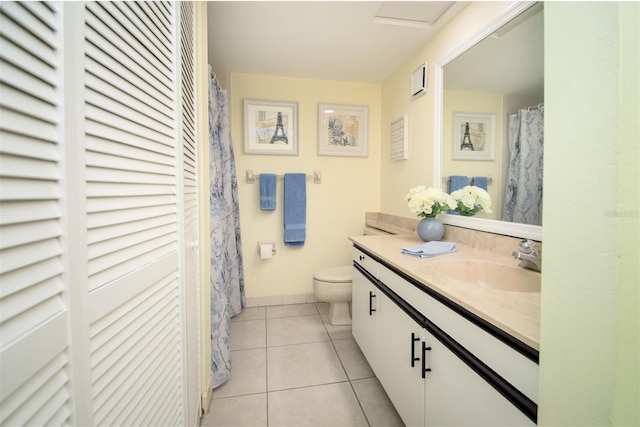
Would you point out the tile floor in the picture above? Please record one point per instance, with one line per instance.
(291, 367)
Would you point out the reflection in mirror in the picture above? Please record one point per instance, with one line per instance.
(492, 109)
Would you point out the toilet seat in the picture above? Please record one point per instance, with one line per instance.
(334, 274)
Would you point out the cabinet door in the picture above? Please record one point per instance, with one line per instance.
(399, 361)
(364, 317)
(456, 395)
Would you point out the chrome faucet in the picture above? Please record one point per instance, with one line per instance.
(530, 257)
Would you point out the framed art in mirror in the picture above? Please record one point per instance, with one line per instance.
(270, 127)
(342, 130)
(473, 136)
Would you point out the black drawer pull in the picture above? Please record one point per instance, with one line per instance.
(414, 359)
(424, 359)
(371, 297)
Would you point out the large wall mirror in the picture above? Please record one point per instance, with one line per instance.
(496, 74)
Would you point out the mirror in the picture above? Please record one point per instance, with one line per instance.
(497, 72)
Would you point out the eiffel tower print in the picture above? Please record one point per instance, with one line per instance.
(466, 139)
(279, 134)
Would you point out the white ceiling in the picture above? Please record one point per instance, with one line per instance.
(341, 40)
(330, 40)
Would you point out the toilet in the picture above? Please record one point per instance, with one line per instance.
(333, 285)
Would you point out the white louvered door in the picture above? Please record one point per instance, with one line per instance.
(132, 213)
(34, 315)
(96, 216)
(190, 210)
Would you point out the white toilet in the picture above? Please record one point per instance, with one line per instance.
(333, 285)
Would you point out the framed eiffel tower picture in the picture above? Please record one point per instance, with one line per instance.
(473, 136)
(270, 127)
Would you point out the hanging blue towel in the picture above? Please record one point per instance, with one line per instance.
(456, 182)
(480, 181)
(268, 191)
(295, 208)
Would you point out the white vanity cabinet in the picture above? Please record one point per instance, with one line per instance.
(421, 357)
(364, 317)
(400, 361)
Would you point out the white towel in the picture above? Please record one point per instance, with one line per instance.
(430, 249)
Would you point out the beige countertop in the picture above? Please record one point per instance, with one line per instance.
(517, 313)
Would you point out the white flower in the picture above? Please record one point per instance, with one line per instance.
(471, 199)
(428, 202)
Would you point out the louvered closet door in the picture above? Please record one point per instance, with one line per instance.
(190, 210)
(132, 175)
(34, 343)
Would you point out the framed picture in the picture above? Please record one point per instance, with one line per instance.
(342, 130)
(270, 127)
(473, 136)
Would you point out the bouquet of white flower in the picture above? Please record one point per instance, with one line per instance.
(470, 200)
(429, 202)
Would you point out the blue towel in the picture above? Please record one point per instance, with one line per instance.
(431, 249)
(268, 191)
(480, 181)
(295, 208)
(456, 182)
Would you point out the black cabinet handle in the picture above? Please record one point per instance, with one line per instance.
(361, 258)
(414, 359)
(371, 297)
(424, 359)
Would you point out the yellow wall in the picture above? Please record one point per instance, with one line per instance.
(335, 208)
(399, 176)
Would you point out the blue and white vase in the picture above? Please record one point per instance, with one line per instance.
(430, 229)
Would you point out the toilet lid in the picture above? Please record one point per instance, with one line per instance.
(334, 274)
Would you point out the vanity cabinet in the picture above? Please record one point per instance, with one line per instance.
(364, 317)
(400, 361)
(431, 360)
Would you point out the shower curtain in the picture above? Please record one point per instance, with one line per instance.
(227, 276)
(523, 198)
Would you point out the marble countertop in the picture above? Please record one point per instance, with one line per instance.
(517, 313)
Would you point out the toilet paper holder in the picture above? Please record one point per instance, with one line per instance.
(266, 244)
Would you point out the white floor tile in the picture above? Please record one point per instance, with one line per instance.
(323, 307)
(376, 404)
(248, 374)
(326, 405)
(295, 330)
(240, 411)
(291, 310)
(250, 313)
(336, 332)
(248, 334)
(303, 365)
(352, 359)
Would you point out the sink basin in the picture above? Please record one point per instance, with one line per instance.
(489, 275)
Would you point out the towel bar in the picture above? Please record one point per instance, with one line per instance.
(251, 176)
(489, 180)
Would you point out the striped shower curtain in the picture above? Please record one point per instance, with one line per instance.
(523, 198)
(227, 276)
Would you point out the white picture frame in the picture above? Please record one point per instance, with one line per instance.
(343, 130)
(270, 127)
(479, 142)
